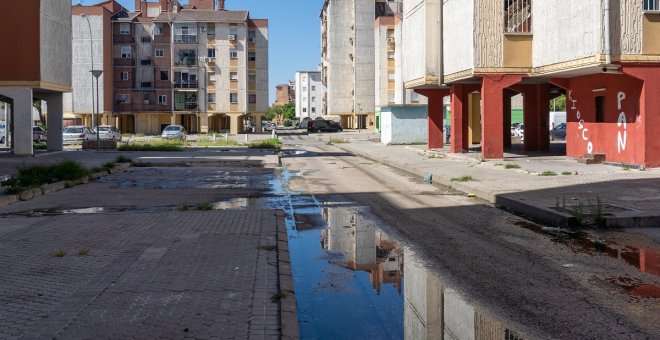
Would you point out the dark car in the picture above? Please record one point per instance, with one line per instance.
(321, 125)
(559, 132)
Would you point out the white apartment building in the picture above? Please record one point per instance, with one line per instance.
(309, 91)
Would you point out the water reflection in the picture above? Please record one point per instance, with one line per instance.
(433, 310)
(362, 247)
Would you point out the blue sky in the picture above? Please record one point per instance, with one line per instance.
(294, 34)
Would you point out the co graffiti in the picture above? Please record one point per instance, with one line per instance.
(622, 133)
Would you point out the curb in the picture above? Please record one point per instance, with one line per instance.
(288, 311)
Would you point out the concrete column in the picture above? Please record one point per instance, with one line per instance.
(258, 119)
(22, 119)
(543, 93)
(55, 121)
(459, 117)
(506, 107)
(435, 116)
(492, 99)
(474, 118)
(235, 123)
(204, 122)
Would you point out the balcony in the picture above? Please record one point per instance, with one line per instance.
(185, 39)
(185, 106)
(185, 61)
(186, 85)
(124, 62)
(123, 39)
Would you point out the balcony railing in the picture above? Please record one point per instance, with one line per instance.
(186, 85)
(185, 39)
(651, 5)
(191, 105)
(123, 39)
(124, 62)
(186, 61)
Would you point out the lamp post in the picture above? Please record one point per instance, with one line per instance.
(359, 117)
(97, 74)
(91, 54)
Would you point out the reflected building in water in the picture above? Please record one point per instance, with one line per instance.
(435, 311)
(362, 247)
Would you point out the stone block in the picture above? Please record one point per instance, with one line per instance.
(52, 187)
(6, 200)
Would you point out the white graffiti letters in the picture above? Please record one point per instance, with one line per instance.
(622, 135)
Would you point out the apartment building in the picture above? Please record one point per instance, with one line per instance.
(347, 54)
(310, 90)
(38, 66)
(195, 65)
(285, 93)
(603, 55)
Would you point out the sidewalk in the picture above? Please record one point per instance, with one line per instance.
(629, 197)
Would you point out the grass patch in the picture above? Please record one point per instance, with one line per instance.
(123, 159)
(205, 206)
(152, 146)
(548, 173)
(218, 142)
(566, 173)
(109, 166)
(268, 248)
(277, 297)
(512, 166)
(499, 164)
(84, 251)
(338, 141)
(462, 179)
(268, 143)
(34, 176)
(40, 146)
(59, 253)
(184, 207)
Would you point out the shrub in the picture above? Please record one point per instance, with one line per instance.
(512, 166)
(462, 179)
(269, 143)
(123, 159)
(34, 176)
(152, 146)
(220, 142)
(548, 173)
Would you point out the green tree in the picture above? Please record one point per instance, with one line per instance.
(289, 111)
(558, 104)
(279, 113)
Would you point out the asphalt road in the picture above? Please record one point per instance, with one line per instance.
(496, 261)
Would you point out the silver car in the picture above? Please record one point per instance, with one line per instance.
(109, 132)
(77, 134)
(174, 132)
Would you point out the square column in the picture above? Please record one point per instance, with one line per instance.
(54, 120)
(460, 116)
(435, 116)
(235, 123)
(492, 98)
(21, 119)
(258, 120)
(204, 122)
(506, 107)
(474, 118)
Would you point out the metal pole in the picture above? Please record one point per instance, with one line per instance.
(97, 114)
(91, 53)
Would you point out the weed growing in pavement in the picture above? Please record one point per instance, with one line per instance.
(578, 213)
(548, 173)
(499, 164)
(626, 167)
(268, 248)
(277, 297)
(109, 166)
(268, 143)
(566, 173)
(34, 176)
(123, 159)
(462, 179)
(338, 141)
(512, 166)
(84, 251)
(205, 206)
(59, 253)
(40, 146)
(205, 141)
(599, 218)
(184, 207)
(152, 146)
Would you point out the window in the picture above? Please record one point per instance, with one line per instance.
(252, 99)
(233, 53)
(517, 16)
(233, 98)
(185, 30)
(252, 78)
(390, 55)
(313, 88)
(210, 30)
(210, 53)
(233, 76)
(313, 110)
(252, 56)
(652, 5)
(162, 99)
(125, 52)
(233, 29)
(211, 75)
(304, 109)
(313, 99)
(159, 53)
(600, 109)
(211, 98)
(123, 98)
(146, 39)
(145, 62)
(390, 76)
(251, 37)
(414, 97)
(304, 88)
(124, 76)
(304, 78)
(124, 28)
(158, 29)
(164, 75)
(146, 85)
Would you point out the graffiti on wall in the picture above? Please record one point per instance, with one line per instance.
(581, 127)
(622, 134)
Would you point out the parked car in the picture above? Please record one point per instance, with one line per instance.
(559, 132)
(322, 125)
(38, 134)
(2, 137)
(302, 123)
(109, 132)
(267, 125)
(77, 134)
(514, 127)
(174, 132)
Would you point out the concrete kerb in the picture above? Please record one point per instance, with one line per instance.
(288, 311)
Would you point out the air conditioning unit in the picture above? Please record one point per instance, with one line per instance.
(251, 40)
(232, 37)
(202, 28)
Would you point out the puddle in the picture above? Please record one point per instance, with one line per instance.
(346, 268)
(644, 259)
(241, 203)
(200, 178)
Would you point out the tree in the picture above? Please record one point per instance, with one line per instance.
(558, 104)
(280, 113)
(37, 105)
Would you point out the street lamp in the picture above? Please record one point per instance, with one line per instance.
(359, 117)
(95, 74)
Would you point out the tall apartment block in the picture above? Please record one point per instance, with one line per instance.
(38, 32)
(194, 65)
(310, 91)
(285, 93)
(603, 55)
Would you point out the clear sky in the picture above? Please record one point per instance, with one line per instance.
(294, 34)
